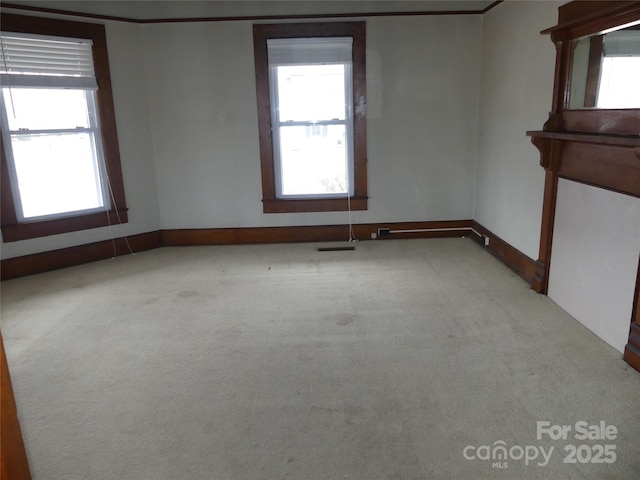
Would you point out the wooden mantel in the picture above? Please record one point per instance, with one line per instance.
(601, 160)
(605, 161)
(593, 146)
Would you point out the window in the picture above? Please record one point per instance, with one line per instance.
(311, 113)
(60, 162)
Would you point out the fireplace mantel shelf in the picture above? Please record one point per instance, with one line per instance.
(600, 159)
(596, 138)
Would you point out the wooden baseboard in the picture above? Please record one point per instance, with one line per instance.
(68, 257)
(509, 255)
(234, 236)
(314, 233)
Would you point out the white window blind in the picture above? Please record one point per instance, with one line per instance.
(309, 51)
(49, 62)
(625, 43)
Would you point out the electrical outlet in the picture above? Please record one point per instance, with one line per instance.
(374, 235)
(486, 241)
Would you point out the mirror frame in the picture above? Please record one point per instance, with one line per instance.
(576, 20)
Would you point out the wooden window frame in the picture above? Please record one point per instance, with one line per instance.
(356, 30)
(12, 230)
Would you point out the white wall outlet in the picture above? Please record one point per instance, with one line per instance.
(374, 235)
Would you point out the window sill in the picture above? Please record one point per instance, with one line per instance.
(314, 205)
(24, 231)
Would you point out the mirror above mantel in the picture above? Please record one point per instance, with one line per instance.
(605, 70)
(591, 39)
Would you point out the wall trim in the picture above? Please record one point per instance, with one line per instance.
(80, 254)
(97, 16)
(508, 254)
(77, 255)
(312, 233)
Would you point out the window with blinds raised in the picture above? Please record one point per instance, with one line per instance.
(57, 165)
(311, 115)
(312, 121)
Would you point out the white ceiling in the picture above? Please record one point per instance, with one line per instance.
(156, 9)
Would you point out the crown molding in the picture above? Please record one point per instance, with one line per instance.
(115, 18)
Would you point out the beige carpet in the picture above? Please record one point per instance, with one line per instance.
(282, 362)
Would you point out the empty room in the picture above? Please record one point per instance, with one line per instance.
(320, 239)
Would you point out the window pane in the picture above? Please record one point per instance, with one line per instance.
(57, 173)
(313, 160)
(619, 83)
(45, 109)
(311, 92)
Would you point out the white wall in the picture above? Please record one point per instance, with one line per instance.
(422, 86)
(596, 243)
(515, 96)
(132, 120)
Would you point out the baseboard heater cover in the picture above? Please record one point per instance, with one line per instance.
(450, 229)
